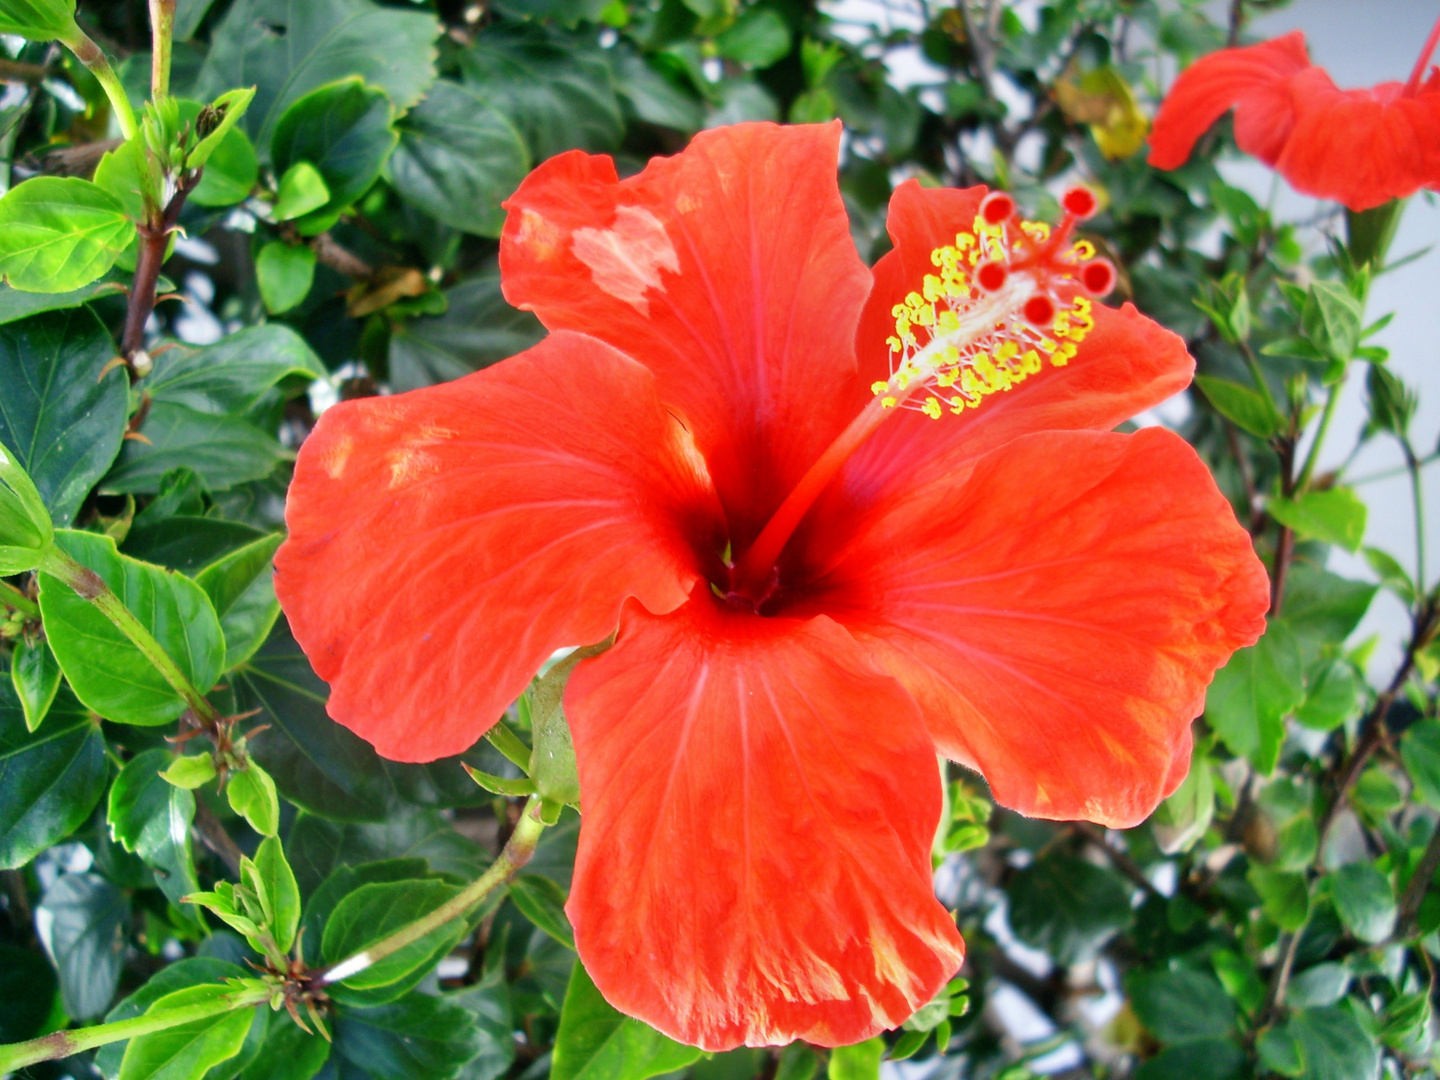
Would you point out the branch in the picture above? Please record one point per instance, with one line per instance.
(518, 850)
(63, 1044)
(154, 240)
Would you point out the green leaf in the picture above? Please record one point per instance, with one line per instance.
(1284, 896)
(797, 1062)
(1201, 1059)
(322, 767)
(1323, 984)
(225, 451)
(252, 795)
(1181, 820)
(1420, 751)
(189, 14)
(555, 88)
(151, 817)
(373, 912)
(190, 972)
(1365, 901)
(284, 273)
(288, 1054)
(25, 530)
(477, 329)
(83, 921)
(59, 234)
(281, 894)
(597, 1042)
(758, 39)
(301, 190)
(1246, 408)
(543, 902)
(1331, 319)
(1323, 609)
(27, 993)
(1333, 1045)
(121, 173)
(108, 673)
(418, 1037)
(488, 1001)
(1392, 575)
(344, 130)
(1067, 906)
(457, 159)
(187, 1051)
(213, 123)
(231, 165)
(186, 542)
(38, 20)
(858, 1062)
(241, 586)
(1336, 516)
(16, 305)
(235, 374)
(58, 416)
(49, 780)
(1331, 698)
(1252, 694)
(287, 48)
(35, 673)
(191, 772)
(661, 97)
(1179, 1005)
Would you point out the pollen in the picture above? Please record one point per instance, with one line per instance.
(1007, 298)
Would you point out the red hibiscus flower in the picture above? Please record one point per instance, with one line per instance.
(725, 449)
(1358, 147)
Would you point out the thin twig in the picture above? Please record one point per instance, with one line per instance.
(210, 830)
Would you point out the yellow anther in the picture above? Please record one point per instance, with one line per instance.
(887, 403)
(947, 322)
(878, 387)
(931, 408)
(1083, 250)
(946, 377)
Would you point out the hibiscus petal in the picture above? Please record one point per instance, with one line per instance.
(1362, 147)
(754, 858)
(1058, 611)
(729, 271)
(1205, 91)
(445, 542)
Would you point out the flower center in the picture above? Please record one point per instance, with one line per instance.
(1006, 297)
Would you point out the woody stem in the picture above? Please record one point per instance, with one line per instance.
(1413, 86)
(753, 569)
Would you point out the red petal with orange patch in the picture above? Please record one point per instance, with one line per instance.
(1058, 609)
(759, 804)
(729, 271)
(445, 542)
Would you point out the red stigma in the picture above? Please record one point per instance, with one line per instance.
(991, 276)
(997, 207)
(1098, 277)
(1081, 202)
(1040, 311)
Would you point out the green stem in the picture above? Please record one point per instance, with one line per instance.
(1259, 376)
(1412, 466)
(63, 1044)
(1313, 456)
(162, 29)
(516, 854)
(91, 586)
(10, 596)
(510, 744)
(93, 57)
